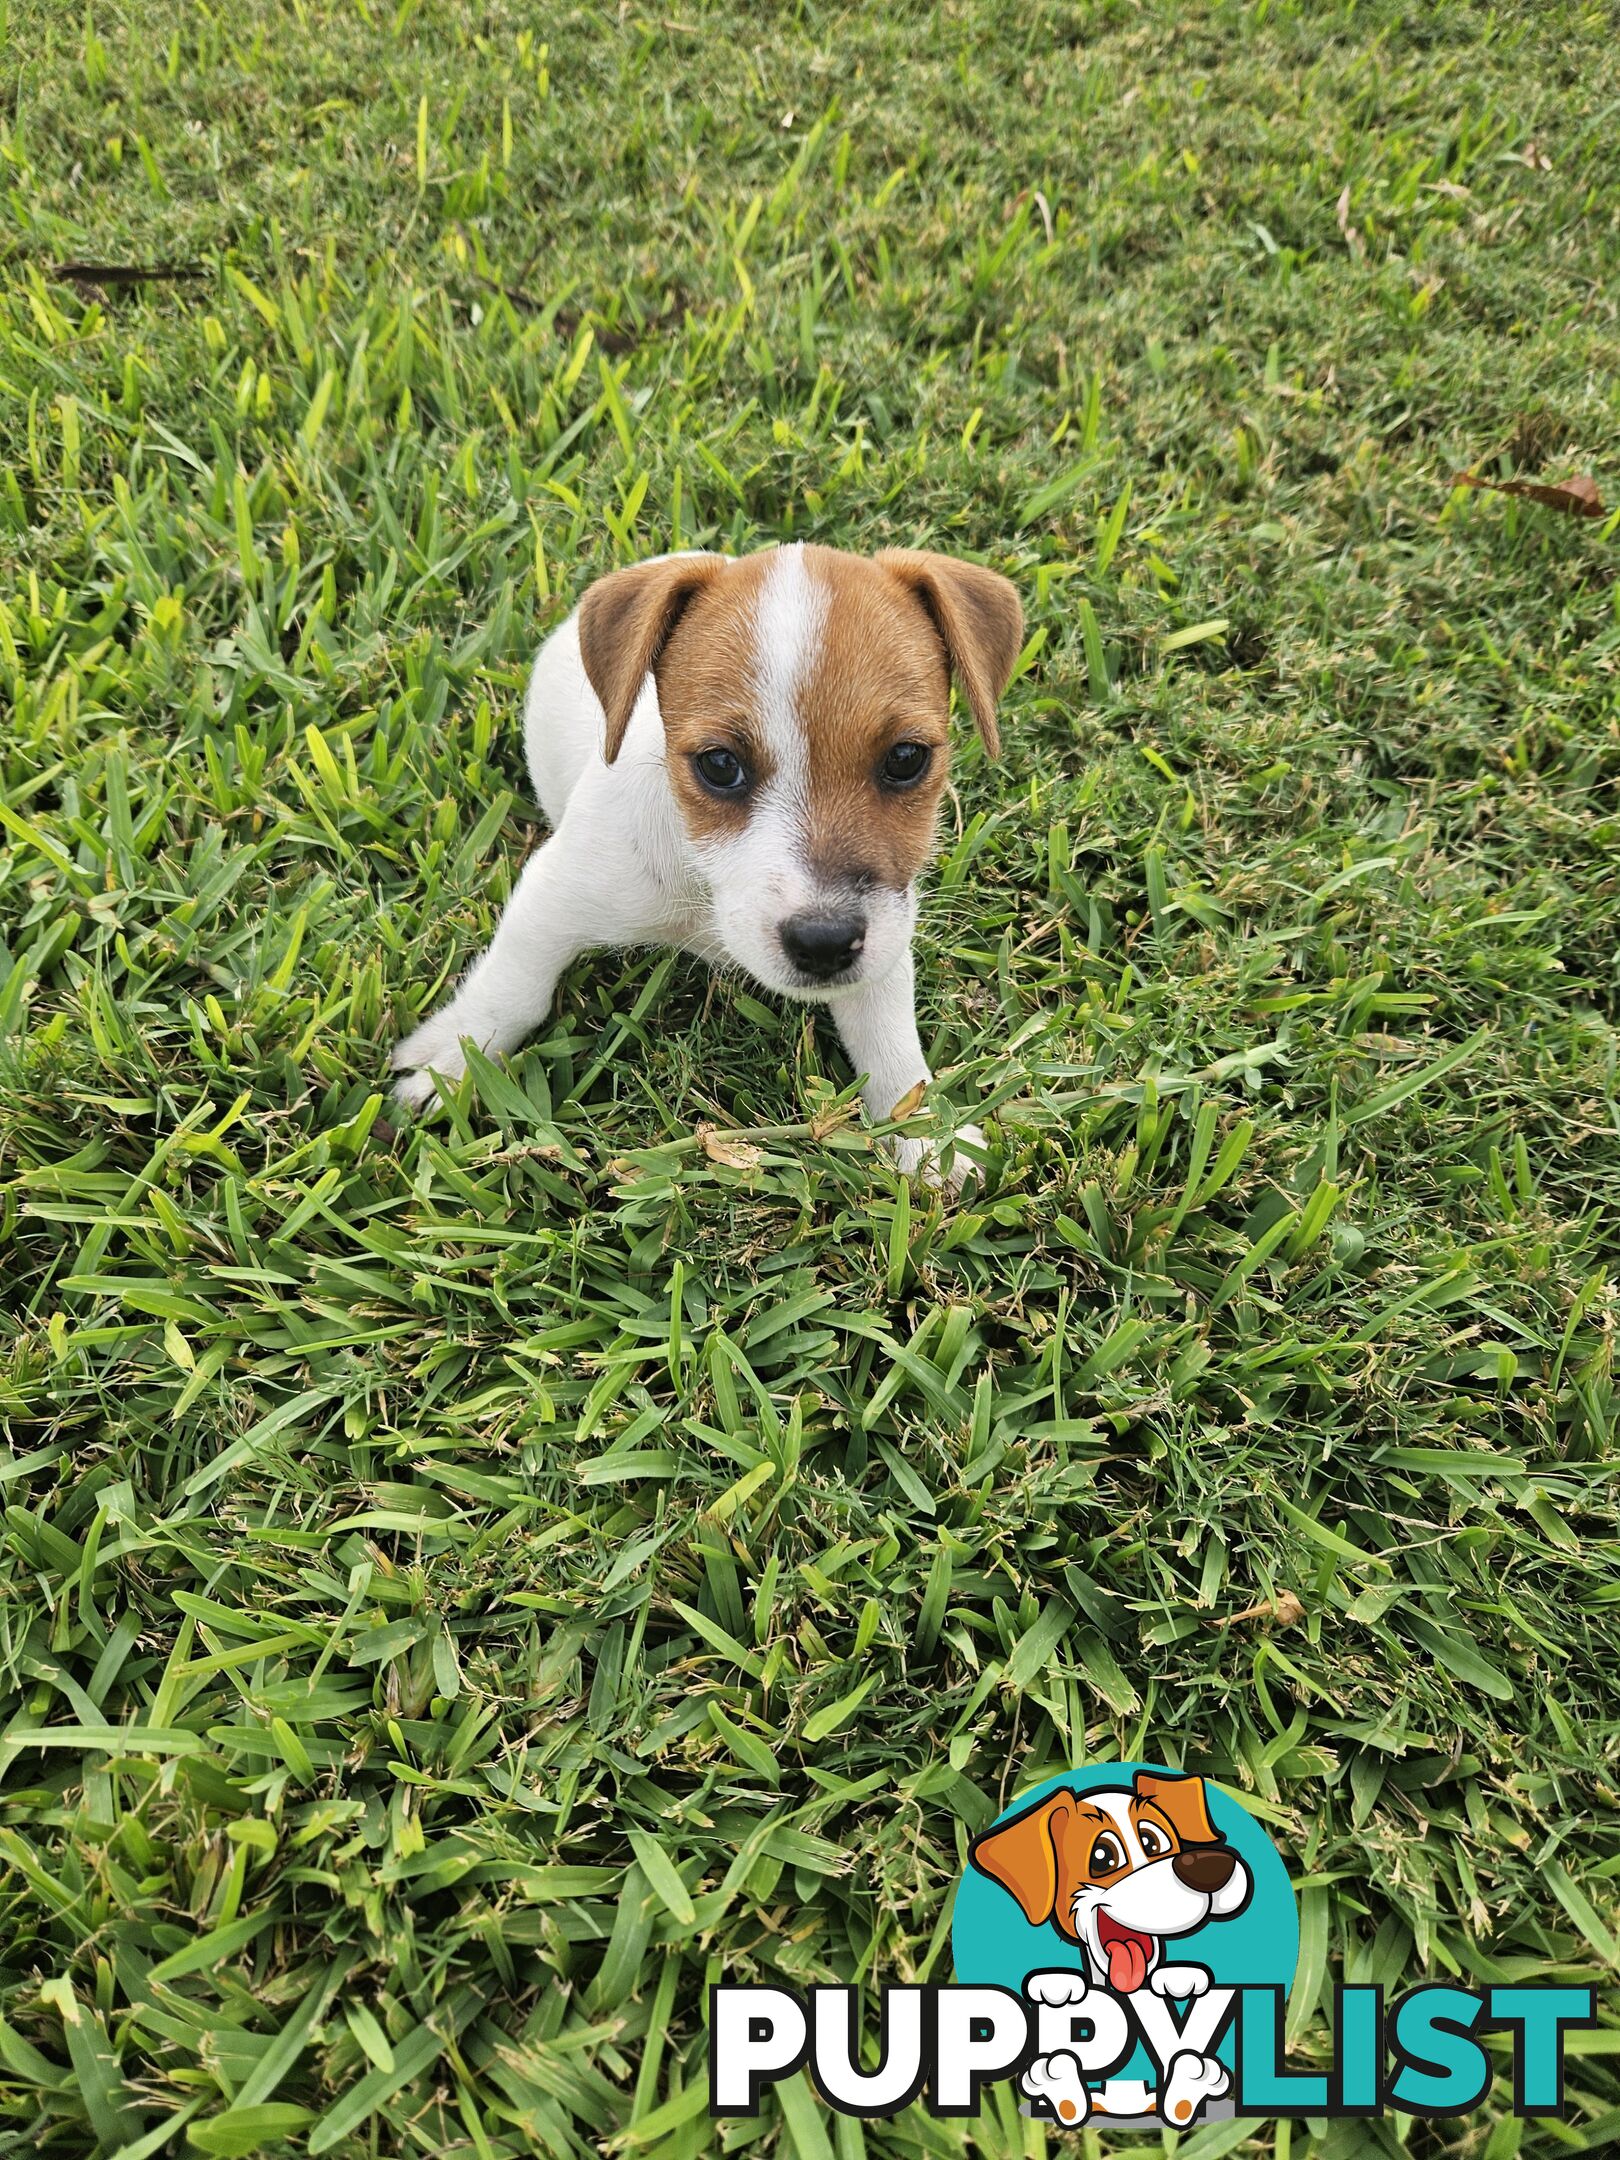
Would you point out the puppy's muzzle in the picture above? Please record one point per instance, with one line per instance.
(1206, 1871)
(823, 947)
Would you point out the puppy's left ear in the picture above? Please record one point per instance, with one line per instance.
(980, 622)
(1182, 1799)
(625, 621)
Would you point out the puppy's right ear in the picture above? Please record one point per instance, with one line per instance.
(1021, 1855)
(980, 622)
(624, 624)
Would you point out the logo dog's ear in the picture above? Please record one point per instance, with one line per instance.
(1182, 1800)
(624, 624)
(980, 622)
(1022, 1856)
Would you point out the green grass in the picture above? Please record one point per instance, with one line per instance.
(468, 1586)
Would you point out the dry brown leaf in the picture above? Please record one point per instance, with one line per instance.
(831, 1120)
(1577, 497)
(1285, 1609)
(721, 1147)
(1352, 239)
(910, 1102)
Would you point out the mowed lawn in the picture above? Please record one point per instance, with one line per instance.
(469, 1585)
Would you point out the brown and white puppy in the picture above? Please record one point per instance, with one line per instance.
(744, 758)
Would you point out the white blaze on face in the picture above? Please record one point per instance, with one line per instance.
(790, 624)
(761, 877)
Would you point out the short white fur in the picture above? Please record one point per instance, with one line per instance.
(621, 869)
(761, 876)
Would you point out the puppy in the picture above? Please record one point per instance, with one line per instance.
(1120, 1871)
(745, 758)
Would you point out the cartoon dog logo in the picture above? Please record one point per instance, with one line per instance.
(1121, 1872)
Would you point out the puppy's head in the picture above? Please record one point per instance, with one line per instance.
(805, 696)
(1118, 1871)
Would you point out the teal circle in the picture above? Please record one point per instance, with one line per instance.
(993, 1945)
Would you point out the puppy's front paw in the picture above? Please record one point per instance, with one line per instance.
(924, 1160)
(967, 1168)
(432, 1048)
(415, 1090)
(1057, 1988)
(1181, 1981)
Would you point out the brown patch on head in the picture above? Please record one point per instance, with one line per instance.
(625, 622)
(979, 620)
(1098, 1853)
(1022, 1856)
(706, 676)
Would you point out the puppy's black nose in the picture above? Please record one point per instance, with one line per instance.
(1208, 1870)
(823, 946)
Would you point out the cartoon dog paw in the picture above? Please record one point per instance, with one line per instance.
(1056, 2080)
(1181, 1981)
(1193, 2079)
(1055, 1990)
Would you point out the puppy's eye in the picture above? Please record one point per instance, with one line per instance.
(721, 771)
(904, 765)
(1107, 1855)
(1154, 1842)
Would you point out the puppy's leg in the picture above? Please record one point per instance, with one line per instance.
(878, 1024)
(578, 891)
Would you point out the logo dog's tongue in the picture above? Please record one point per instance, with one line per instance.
(1127, 1955)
